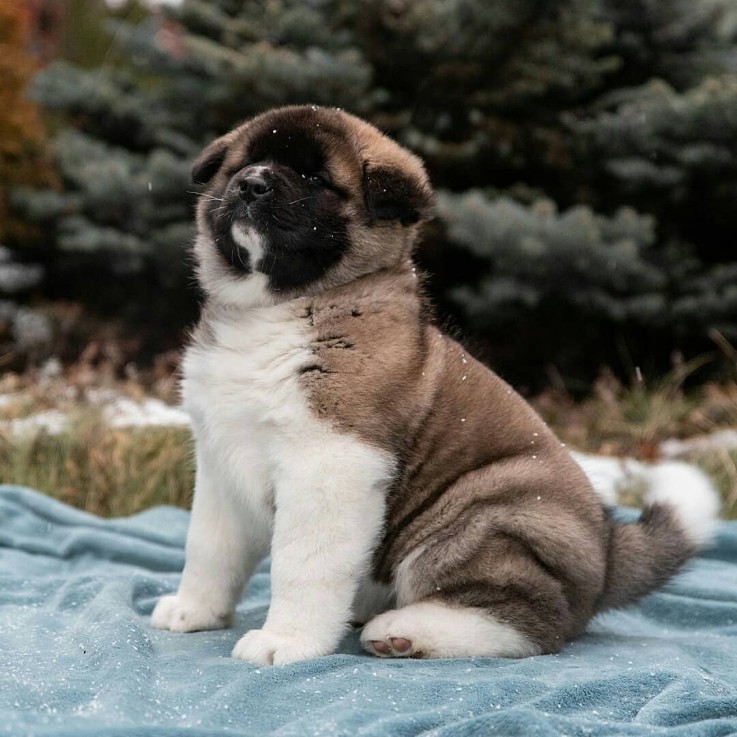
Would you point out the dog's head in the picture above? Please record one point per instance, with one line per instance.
(301, 199)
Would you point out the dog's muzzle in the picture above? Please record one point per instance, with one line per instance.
(254, 183)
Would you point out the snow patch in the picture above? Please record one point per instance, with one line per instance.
(119, 412)
(720, 440)
(149, 412)
(609, 476)
(51, 421)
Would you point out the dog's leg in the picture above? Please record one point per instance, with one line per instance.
(436, 629)
(225, 542)
(329, 515)
(473, 590)
(435, 626)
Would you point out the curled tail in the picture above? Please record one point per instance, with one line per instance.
(680, 515)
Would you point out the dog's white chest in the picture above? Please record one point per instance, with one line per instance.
(241, 388)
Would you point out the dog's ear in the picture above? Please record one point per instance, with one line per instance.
(392, 194)
(207, 164)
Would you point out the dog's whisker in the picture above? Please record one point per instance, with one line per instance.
(303, 413)
(204, 194)
(239, 251)
(278, 220)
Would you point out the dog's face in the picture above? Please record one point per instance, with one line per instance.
(301, 199)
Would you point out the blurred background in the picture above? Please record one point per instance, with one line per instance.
(585, 158)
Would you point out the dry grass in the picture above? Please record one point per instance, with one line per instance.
(618, 420)
(115, 472)
(106, 471)
(103, 470)
(632, 420)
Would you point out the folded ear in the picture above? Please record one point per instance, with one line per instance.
(207, 164)
(393, 194)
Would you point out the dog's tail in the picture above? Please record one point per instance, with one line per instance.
(680, 516)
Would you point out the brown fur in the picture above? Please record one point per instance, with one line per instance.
(361, 161)
(508, 520)
(496, 512)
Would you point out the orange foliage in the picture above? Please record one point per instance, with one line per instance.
(23, 160)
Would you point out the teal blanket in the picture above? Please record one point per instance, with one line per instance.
(77, 656)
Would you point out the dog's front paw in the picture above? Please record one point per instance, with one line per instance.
(261, 647)
(179, 615)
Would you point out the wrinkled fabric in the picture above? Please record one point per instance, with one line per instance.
(78, 657)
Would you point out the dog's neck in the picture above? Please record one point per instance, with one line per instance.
(403, 278)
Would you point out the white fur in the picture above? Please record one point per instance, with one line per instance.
(251, 241)
(227, 288)
(682, 486)
(227, 537)
(690, 493)
(269, 468)
(438, 630)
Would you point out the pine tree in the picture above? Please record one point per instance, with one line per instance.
(125, 215)
(23, 162)
(583, 151)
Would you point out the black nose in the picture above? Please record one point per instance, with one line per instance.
(253, 186)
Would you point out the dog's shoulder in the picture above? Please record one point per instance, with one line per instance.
(369, 351)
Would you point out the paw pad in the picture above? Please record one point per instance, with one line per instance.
(393, 647)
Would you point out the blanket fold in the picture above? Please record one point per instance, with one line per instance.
(77, 655)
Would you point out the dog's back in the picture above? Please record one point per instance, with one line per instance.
(488, 510)
(336, 424)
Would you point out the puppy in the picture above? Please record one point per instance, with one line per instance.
(394, 479)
